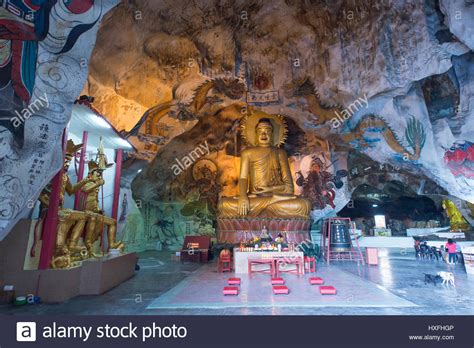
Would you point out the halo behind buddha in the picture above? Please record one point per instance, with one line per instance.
(250, 121)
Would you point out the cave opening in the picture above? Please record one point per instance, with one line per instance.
(401, 209)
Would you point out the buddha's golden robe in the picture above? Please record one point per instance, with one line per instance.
(270, 187)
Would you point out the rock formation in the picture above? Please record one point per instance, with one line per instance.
(392, 80)
(42, 108)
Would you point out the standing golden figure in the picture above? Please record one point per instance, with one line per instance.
(265, 182)
(456, 220)
(71, 222)
(96, 218)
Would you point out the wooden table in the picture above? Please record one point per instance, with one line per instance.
(241, 257)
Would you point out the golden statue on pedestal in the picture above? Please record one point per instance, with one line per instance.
(265, 181)
(96, 218)
(456, 220)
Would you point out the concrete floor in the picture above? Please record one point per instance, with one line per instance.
(398, 274)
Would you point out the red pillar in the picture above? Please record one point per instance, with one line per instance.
(51, 220)
(118, 174)
(80, 174)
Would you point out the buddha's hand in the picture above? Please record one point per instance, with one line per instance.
(244, 205)
(264, 189)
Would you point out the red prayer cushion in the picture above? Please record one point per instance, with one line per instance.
(278, 281)
(316, 281)
(327, 290)
(231, 290)
(280, 289)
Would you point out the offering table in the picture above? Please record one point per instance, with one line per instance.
(241, 257)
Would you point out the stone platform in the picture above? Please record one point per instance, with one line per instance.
(92, 277)
(234, 231)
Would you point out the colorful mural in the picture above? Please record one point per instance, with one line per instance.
(22, 25)
(460, 159)
(319, 185)
(415, 136)
(162, 122)
(308, 99)
(44, 51)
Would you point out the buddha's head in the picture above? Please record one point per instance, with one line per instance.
(264, 132)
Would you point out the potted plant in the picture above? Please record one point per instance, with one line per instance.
(310, 249)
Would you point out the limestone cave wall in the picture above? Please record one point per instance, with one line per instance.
(393, 80)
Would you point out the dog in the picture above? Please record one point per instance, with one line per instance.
(448, 278)
(432, 278)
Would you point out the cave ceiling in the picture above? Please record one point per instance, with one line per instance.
(392, 80)
(400, 72)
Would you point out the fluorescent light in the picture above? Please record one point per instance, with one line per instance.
(139, 170)
(375, 205)
(124, 143)
(99, 121)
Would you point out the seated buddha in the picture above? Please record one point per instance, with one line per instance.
(265, 182)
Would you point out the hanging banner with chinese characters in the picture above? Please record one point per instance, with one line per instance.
(259, 98)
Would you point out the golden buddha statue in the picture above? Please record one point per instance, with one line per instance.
(456, 220)
(265, 181)
(96, 218)
(71, 222)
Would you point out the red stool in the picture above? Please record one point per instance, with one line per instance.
(316, 281)
(233, 281)
(327, 290)
(309, 264)
(278, 281)
(230, 290)
(225, 264)
(280, 289)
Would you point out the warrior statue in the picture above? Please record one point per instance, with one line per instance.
(71, 222)
(96, 218)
